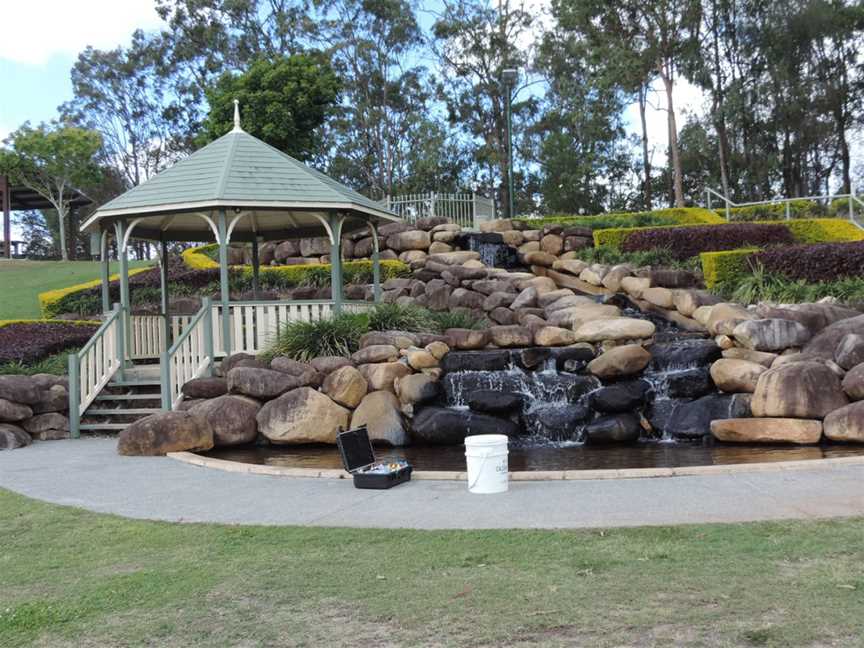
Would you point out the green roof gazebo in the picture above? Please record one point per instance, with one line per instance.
(238, 189)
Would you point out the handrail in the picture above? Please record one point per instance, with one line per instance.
(91, 368)
(729, 203)
(191, 356)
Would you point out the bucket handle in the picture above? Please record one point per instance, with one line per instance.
(479, 472)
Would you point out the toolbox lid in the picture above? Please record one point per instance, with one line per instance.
(355, 448)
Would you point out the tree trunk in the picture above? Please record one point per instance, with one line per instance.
(677, 180)
(646, 161)
(61, 226)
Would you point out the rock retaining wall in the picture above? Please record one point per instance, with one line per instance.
(32, 407)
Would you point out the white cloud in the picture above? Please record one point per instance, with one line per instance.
(36, 30)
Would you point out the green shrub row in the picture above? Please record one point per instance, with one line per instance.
(671, 217)
(838, 208)
(759, 285)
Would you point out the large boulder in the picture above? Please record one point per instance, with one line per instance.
(262, 384)
(731, 314)
(807, 390)
(346, 386)
(846, 424)
(53, 399)
(328, 364)
(381, 376)
(760, 357)
(11, 412)
(853, 383)
(849, 351)
(416, 389)
(691, 420)
(47, 427)
(208, 387)
(305, 373)
(240, 360)
(511, 336)
(558, 421)
(825, 343)
(13, 437)
(615, 328)
(379, 412)
(159, 434)
(410, 240)
(466, 339)
(488, 360)
(683, 354)
(376, 353)
(553, 336)
(620, 362)
(736, 375)
(232, 419)
(620, 397)
(614, 428)
(767, 430)
(771, 334)
(495, 402)
(399, 339)
(19, 389)
(687, 301)
(444, 426)
(689, 383)
(302, 416)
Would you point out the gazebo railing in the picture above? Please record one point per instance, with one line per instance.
(147, 334)
(191, 356)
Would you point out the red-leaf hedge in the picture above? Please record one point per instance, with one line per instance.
(813, 263)
(686, 242)
(29, 342)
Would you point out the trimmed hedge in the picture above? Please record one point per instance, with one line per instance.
(659, 217)
(725, 267)
(813, 263)
(777, 211)
(686, 242)
(48, 300)
(817, 230)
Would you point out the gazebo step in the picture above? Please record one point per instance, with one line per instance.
(103, 427)
(134, 383)
(122, 411)
(123, 397)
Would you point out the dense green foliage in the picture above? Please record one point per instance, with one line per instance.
(661, 257)
(760, 285)
(340, 335)
(57, 364)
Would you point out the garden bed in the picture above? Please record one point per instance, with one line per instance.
(29, 342)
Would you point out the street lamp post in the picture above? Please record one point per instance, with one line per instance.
(509, 77)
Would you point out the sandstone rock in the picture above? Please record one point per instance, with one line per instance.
(328, 364)
(576, 316)
(438, 349)
(260, 383)
(375, 353)
(380, 376)
(11, 412)
(205, 387)
(302, 416)
(724, 342)
(613, 428)
(497, 300)
(454, 258)
(570, 266)
(542, 284)
(444, 237)
(511, 336)
(613, 278)
(850, 351)
(692, 419)
(441, 425)
(19, 389)
(594, 274)
(553, 336)
(549, 298)
(346, 386)
(846, 424)
(687, 301)
(399, 339)
(379, 412)
(614, 328)
(240, 360)
(767, 430)
(495, 402)
(853, 382)
(466, 339)
(798, 390)
(512, 238)
(52, 425)
(702, 315)
(682, 354)
(525, 299)
(498, 225)
(439, 247)
(662, 297)
(689, 383)
(13, 437)
(286, 249)
(620, 362)
(489, 360)
(635, 286)
(736, 375)
(723, 312)
(552, 244)
(620, 397)
(232, 419)
(419, 359)
(528, 247)
(770, 334)
(540, 258)
(740, 353)
(415, 389)
(567, 301)
(464, 298)
(159, 434)
(54, 399)
(47, 381)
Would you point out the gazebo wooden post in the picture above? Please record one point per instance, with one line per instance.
(120, 228)
(255, 267)
(163, 289)
(222, 227)
(7, 215)
(336, 221)
(103, 261)
(376, 264)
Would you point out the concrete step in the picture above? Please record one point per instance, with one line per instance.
(103, 427)
(134, 383)
(121, 397)
(122, 411)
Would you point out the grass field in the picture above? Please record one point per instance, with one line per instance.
(74, 578)
(22, 281)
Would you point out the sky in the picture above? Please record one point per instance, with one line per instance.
(42, 38)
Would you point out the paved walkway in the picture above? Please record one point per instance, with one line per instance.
(89, 474)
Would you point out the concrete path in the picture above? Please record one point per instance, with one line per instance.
(89, 474)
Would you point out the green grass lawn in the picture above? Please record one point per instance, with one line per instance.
(22, 281)
(74, 578)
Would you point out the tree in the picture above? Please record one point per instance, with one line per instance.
(283, 101)
(474, 43)
(52, 160)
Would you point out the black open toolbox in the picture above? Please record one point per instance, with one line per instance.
(358, 457)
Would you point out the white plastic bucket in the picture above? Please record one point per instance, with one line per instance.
(486, 455)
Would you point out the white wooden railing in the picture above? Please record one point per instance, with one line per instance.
(191, 356)
(254, 325)
(93, 366)
(147, 334)
(467, 210)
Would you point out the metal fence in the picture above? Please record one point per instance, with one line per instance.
(853, 209)
(465, 209)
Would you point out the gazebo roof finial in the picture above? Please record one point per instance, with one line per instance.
(237, 127)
